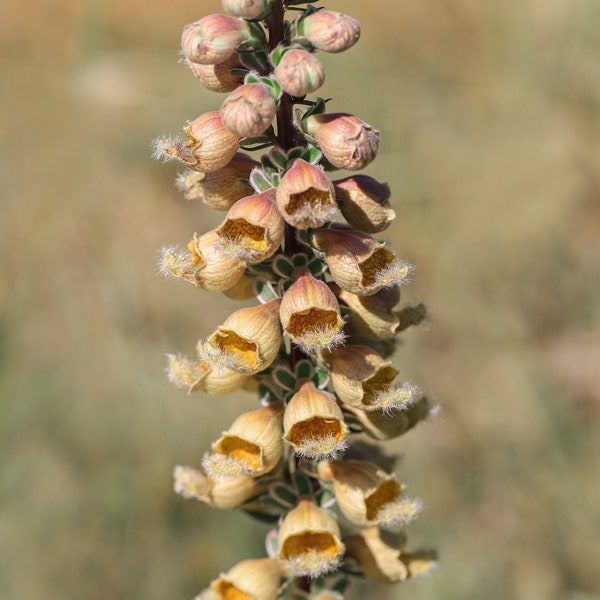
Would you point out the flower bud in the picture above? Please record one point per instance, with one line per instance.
(379, 555)
(255, 579)
(330, 31)
(253, 229)
(364, 203)
(219, 77)
(373, 316)
(222, 188)
(213, 39)
(363, 379)
(219, 493)
(313, 424)
(310, 314)
(299, 72)
(346, 141)
(367, 495)
(205, 264)
(358, 263)
(251, 446)
(211, 145)
(246, 9)
(309, 541)
(305, 196)
(248, 341)
(197, 375)
(249, 110)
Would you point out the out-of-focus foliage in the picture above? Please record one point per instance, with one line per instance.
(490, 120)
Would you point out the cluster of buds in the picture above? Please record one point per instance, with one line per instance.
(315, 341)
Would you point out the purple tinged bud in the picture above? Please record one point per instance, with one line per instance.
(246, 9)
(299, 73)
(330, 31)
(249, 110)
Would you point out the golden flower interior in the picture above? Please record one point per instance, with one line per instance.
(330, 430)
(311, 206)
(240, 233)
(378, 383)
(240, 450)
(242, 350)
(323, 544)
(371, 268)
(228, 591)
(386, 493)
(313, 319)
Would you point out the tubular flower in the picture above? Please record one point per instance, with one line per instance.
(219, 493)
(248, 341)
(359, 264)
(373, 316)
(249, 110)
(367, 495)
(247, 580)
(250, 447)
(309, 541)
(213, 39)
(222, 188)
(329, 30)
(346, 141)
(313, 424)
(305, 196)
(197, 375)
(310, 314)
(253, 228)
(363, 379)
(219, 77)
(204, 264)
(299, 72)
(364, 203)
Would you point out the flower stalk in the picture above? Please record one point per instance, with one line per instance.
(316, 339)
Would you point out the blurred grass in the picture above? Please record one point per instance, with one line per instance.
(490, 123)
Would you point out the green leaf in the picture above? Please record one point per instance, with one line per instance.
(295, 152)
(299, 260)
(302, 484)
(284, 378)
(284, 495)
(277, 54)
(279, 157)
(321, 378)
(264, 291)
(312, 155)
(259, 181)
(326, 499)
(304, 369)
(317, 267)
(282, 266)
(267, 395)
(259, 516)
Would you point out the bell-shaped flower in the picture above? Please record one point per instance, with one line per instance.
(305, 196)
(313, 424)
(248, 341)
(367, 495)
(310, 314)
(250, 447)
(309, 541)
(253, 228)
(358, 263)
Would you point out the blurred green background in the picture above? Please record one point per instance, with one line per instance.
(489, 112)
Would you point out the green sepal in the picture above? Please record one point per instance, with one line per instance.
(259, 180)
(284, 378)
(302, 484)
(282, 266)
(304, 369)
(321, 379)
(326, 498)
(267, 395)
(317, 267)
(277, 54)
(264, 291)
(256, 31)
(299, 260)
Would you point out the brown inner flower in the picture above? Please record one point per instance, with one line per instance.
(228, 591)
(372, 266)
(314, 319)
(324, 544)
(311, 200)
(378, 383)
(315, 427)
(242, 349)
(386, 493)
(242, 233)
(240, 450)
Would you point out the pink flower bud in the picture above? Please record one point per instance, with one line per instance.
(346, 141)
(310, 314)
(222, 188)
(358, 263)
(364, 203)
(209, 145)
(218, 78)
(253, 228)
(330, 31)
(299, 72)
(305, 196)
(246, 9)
(213, 39)
(249, 110)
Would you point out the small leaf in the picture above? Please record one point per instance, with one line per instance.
(279, 157)
(273, 505)
(251, 78)
(266, 163)
(259, 181)
(299, 260)
(312, 155)
(295, 152)
(304, 369)
(259, 516)
(283, 494)
(277, 54)
(267, 395)
(302, 484)
(264, 291)
(327, 499)
(317, 267)
(282, 266)
(284, 378)
(321, 378)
